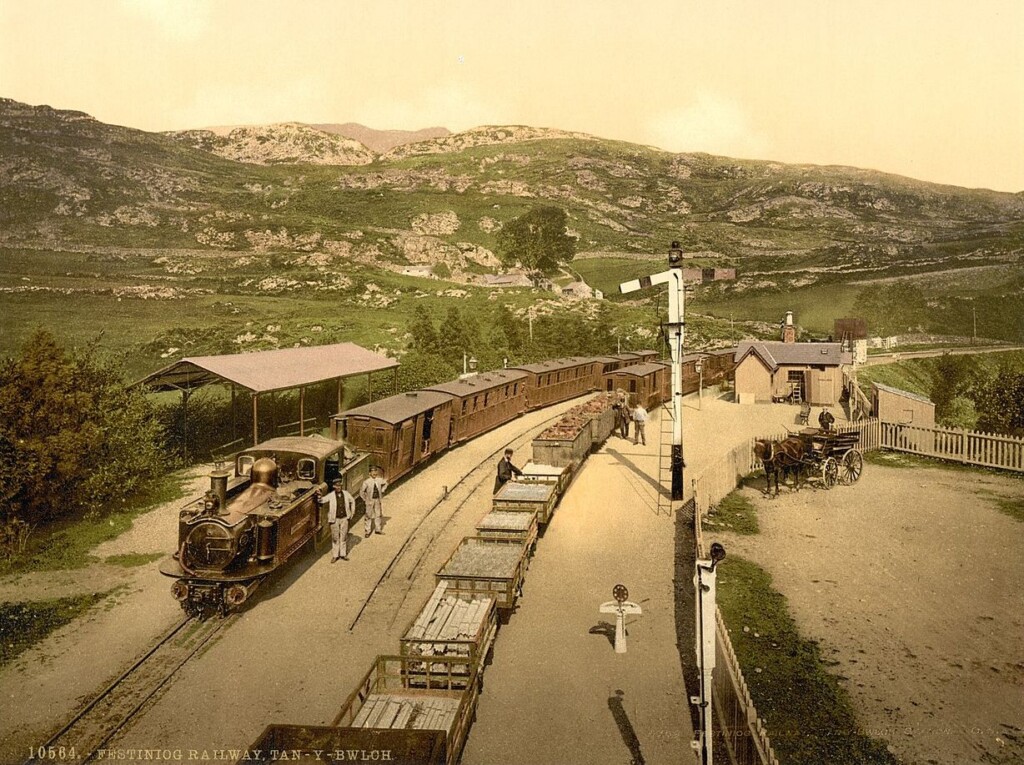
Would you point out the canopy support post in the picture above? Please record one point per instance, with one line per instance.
(255, 418)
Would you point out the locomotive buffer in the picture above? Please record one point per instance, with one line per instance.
(674, 279)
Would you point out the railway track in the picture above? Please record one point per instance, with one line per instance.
(88, 732)
(416, 546)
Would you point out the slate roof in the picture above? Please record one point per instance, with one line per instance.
(776, 354)
(904, 393)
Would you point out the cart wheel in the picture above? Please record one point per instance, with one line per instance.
(829, 472)
(852, 466)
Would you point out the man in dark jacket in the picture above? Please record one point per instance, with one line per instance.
(826, 420)
(505, 471)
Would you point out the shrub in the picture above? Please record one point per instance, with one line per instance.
(73, 438)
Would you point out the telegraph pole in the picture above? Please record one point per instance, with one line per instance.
(674, 279)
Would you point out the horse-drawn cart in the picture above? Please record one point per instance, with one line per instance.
(834, 457)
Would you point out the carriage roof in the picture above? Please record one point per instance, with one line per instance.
(312, 446)
(396, 409)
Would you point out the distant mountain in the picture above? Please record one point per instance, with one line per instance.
(285, 143)
(382, 141)
(67, 179)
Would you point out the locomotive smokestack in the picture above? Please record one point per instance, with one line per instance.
(219, 487)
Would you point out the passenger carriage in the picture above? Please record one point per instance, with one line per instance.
(645, 383)
(399, 432)
(485, 401)
(549, 382)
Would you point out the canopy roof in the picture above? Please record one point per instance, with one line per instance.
(263, 371)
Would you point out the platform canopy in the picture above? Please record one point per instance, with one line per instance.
(264, 371)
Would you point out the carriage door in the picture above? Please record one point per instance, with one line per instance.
(407, 439)
(428, 429)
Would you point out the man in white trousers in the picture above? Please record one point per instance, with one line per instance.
(341, 506)
(372, 492)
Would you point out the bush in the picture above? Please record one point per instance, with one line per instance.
(73, 438)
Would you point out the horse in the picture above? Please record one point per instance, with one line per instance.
(780, 456)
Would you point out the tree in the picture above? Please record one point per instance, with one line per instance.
(424, 335)
(73, 438)
(537, 240)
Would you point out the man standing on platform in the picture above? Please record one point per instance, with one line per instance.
(505, 471)
(338, 518)
(372, 492)
(639, 422)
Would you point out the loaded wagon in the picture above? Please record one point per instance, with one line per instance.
(510, 524)
(402, 693)
(453, 623)
(558, 476)
(487, 566)
(527, 497)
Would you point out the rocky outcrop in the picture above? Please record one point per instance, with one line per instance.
(287, 143)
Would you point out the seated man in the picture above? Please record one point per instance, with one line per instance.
(826, 420)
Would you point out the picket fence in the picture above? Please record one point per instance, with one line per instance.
(740, 730)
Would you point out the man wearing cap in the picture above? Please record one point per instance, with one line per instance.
(372, 492)
(338, 518)
(826, 420)
(505, 471)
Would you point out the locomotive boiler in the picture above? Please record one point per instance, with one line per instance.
(254, 518)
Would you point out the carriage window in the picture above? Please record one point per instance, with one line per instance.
(610, 383)
(306, 469)
(474, 402)
(332, 468)
(486, 396)
(515, 389)
(506, 391)
(244, 465)
(465, 403)
(632, 386)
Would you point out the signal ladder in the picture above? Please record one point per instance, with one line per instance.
(665, 422)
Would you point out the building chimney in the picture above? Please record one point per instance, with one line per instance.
(789, 329)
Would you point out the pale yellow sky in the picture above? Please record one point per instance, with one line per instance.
(932, 89)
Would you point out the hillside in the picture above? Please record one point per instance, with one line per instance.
(91, 213)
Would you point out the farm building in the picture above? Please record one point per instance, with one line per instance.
(902, 407)
(791, 371)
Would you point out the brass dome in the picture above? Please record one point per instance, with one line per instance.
(264, 471)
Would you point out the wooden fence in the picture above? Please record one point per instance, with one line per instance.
(969, 447)
(741, 730)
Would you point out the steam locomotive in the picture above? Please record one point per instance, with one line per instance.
(254, 518)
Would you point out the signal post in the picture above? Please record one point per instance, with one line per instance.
(676, 323)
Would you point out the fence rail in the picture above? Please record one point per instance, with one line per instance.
(969, 447)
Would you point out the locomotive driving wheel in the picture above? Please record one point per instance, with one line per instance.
(850, 467)
(829, 472)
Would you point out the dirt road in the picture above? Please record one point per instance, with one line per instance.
(912, 580)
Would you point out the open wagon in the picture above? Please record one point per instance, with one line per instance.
(487, 566)
(834, 457)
